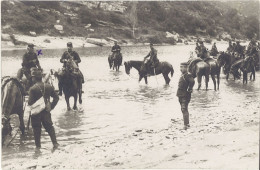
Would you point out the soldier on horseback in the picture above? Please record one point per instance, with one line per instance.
(115, 49)
(203, 53)
(66, 57)
(151, 63)
(214, 50)
(30, 60)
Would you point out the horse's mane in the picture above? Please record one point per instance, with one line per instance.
(7, 79)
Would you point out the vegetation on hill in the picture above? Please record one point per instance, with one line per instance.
(140, 21)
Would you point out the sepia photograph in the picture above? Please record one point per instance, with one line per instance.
(130, 84)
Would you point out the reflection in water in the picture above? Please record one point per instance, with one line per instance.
(115, 104)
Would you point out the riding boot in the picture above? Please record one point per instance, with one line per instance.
(52, 135)
(37, 137)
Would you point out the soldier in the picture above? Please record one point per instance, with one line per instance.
(115, 49)
(67, 55)
(203, 51)
(197, 49)
(230, 47)
(38, 90)
(30, 60)
(184, 91)
(214, 50)
(153, 61)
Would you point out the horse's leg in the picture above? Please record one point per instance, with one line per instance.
(166, 78)
(227, 76)
(75, 101)
(145, 79)
(207, 81)
(199, 81)
(218, 79)
(22, 127)
(214, 81)
(68, 102)
(140, 78)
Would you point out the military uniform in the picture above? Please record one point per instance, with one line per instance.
(153, 61)
(44, 117)
(30, 60)
(67, 55)
(186, 83)
(203, 51)
(115, 49)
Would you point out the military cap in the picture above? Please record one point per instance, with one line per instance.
(69, 44)
(36, 73)
(201, 42)
(31, 45)
(184, 64)
(151, 43)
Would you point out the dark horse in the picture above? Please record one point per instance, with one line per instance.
(12, 103)
(116, 61)
(71, 83)
(198, 68)
(226, 60)
(163, 68)
(214, 70)
(246, 65)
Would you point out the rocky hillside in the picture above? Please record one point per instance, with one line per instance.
(136, 21)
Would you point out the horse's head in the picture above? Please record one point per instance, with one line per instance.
(127, 67)
(222, 58)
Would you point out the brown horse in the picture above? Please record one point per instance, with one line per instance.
(163, 68)
(214, 70)
(12, 103)
(198, 68)
(246, 65)
(116, 61)
(71, 83)
(226, 60)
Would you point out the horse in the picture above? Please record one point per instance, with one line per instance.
(12, 103)
(163, 68)
(198, 68)
(115, 61)
(246, 65)
(71, 83)
(214, 70)
(226, 60)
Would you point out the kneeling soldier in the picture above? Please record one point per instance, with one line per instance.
(185, 86)
(38, 90)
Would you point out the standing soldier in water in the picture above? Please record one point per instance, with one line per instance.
(38, 90)
(184, 91)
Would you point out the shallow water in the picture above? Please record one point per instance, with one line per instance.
(115, 105)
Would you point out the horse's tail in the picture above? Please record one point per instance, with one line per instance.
(172, 71)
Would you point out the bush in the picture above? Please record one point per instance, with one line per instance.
(170, 41)
(155, 39)
(29, 25)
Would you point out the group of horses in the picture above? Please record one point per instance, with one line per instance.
(210, 66)
(14, 92)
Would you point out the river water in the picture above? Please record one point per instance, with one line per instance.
(116, 106)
